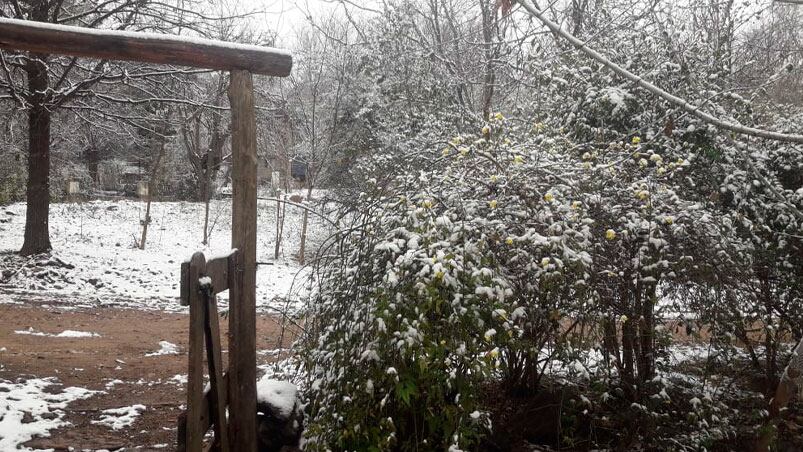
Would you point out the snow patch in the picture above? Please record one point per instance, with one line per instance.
(165, 348)
(119, 418)
(27, 411)
(66, 333)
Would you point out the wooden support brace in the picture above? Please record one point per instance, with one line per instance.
(217, 390)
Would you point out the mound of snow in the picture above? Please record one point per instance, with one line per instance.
(280, 395)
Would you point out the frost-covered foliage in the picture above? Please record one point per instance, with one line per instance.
(551, 247)
(431, 293)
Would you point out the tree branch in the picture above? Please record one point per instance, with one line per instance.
(677, 101)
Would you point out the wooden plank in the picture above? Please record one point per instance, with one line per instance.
(47, 38)
(217, 391)
(195, 371)
(218, 270)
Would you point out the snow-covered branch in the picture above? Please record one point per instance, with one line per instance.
(677, 101)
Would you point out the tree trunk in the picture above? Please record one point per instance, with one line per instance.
(489, 79)
(206, 193)
(152, 185)
(301, 252)
(302, 248)
(37, 231)
(647, 371)
(789, 388)
(280, 209)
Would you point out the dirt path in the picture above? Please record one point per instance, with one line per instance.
(114, 363)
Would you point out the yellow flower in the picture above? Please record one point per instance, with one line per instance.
(427, 204)
(518, 160)
(499, 116)
(642, 163)
(643, 195)
(610, 234)
(587, 165)
(439, 275)
(493, 354)
(656, 158)
(445, 152)
(509, 240)
(623, 318)
(494, 178)
(636, 141)
(669, 220)
(587, 156)
(549, 197)
(463, 150)
(661, 171)
(456, 140)
(576, 204)
(492, 204)
(486, 130)
(538, 126)
(403, 199)
(545, 262)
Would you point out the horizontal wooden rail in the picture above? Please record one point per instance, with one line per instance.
(146, 47)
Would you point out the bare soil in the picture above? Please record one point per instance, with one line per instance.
(126, 336)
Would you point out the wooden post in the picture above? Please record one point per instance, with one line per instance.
(242, 308)
(195, 371)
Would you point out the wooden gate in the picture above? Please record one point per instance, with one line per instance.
(201, 281)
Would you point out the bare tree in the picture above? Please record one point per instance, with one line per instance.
(42, 84)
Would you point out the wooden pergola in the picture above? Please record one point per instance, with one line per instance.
(241, 61)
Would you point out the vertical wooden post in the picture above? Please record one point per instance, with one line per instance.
(195, 372)
(242, 309)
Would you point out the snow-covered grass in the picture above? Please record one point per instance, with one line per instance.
(95, 260)
(27, 410)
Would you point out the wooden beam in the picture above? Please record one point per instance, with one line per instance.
(47, 38)
(242, 299)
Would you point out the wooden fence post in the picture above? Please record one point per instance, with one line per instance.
(242, 309)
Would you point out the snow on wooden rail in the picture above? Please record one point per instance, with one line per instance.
(146, 47)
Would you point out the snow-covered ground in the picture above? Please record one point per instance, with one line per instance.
(95, 260)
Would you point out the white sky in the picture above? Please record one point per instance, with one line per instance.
(287, 16)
